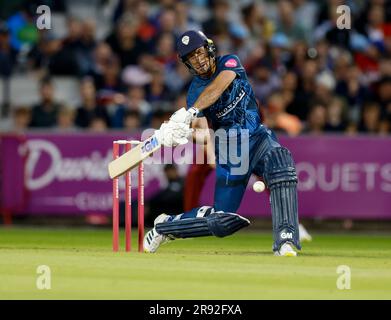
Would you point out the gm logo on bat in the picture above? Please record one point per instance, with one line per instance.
(149, 145)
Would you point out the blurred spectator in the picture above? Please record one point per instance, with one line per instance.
(222, 38)
(322, 54)
(109, 82)
(146, 30)
(219, 19)
(306, 12)
(131, 120)
(278, 119)
(183, 21)
(65, 118)
(125, 42)
(370, 119)
(98, 124)
(336, 116)
(383, 92)
(342, 65)
(305, 90)
(244, 49)
(265, 81)
(167, 3)
(260, 28)
(44, 54)
(298, 57)
(157, 91)
(135, 76)
(101, 56)
(287, 24)
(170, 199)
(167, 20)
(383, 97)
(165, 54)
(66, 59)
(351, 88)
(7, 53)
(374, 29)
(87, 46)
(324, 88)
(22, 27)
(44, 114)
(89, 109)
(316, 120)
(177, 78)
(124, 7)
(75, 29)
(288, 90)
(21, 118)
(279, 52)
(134, 101)
(362, 20)
(385, 67)
(253, 58)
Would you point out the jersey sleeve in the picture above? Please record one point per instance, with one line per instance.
(231, 62)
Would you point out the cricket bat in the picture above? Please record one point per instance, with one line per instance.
(132, 158)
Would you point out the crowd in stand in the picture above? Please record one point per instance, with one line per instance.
(309, 76)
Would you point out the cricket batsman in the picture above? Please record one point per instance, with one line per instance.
(221, 94)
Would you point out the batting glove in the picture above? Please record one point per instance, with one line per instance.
(184, 116)
(171, 134)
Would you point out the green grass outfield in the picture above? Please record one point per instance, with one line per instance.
(238, 267)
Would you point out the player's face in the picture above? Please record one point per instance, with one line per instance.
(199, 60)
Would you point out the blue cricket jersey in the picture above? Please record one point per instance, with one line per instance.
(237, 107)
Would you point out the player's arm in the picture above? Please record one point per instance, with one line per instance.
(201, 135)
(214, 90)
(201, 131)
(209, 96)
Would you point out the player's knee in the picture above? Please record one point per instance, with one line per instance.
(279, 167)
(223, 224)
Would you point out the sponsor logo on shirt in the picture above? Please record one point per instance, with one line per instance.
(232, 105)
(231, 63)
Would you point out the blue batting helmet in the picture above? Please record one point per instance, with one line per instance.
(192, 40)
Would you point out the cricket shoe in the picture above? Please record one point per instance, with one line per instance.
(286, 250)
(153, 240)
(303, 234)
